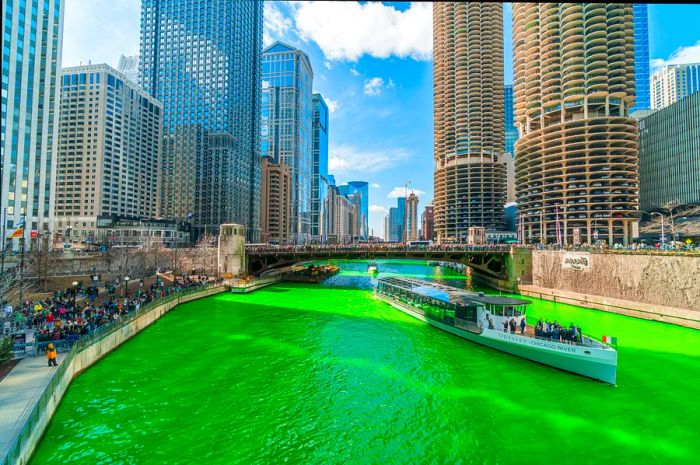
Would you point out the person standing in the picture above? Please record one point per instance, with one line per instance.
(51, 355)
(522, 326)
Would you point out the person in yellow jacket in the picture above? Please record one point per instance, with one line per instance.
(51, 355)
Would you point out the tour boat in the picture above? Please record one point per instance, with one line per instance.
(479, 318)
(372, 268)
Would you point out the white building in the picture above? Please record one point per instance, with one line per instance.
(109, 150)
(30, 98)
(673, 82)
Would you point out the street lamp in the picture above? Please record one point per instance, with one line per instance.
(75, 291)
(126, 285)
(663, 236)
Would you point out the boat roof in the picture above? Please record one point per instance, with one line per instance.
(450, 294)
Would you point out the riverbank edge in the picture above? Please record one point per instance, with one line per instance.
(87, 357)
(671, 315)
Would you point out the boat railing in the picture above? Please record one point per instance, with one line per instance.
(586, 341)
(468, 325)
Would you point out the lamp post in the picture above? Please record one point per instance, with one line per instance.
(126, 285)
(75, 291)
(663, 236)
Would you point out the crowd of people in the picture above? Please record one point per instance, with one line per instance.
(79, 310)
(558, 333)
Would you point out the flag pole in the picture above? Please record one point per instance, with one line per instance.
(4, 240)
(21, 260)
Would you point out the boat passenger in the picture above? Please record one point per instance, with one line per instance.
(505, 326)
(522, 325)
(512, 325)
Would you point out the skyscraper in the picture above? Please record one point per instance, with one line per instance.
(674, 82)
(400, 219)
(361, 189)
(129, 67)
(319, 184)
(427, 221)
(411, 229)
(577, 157)
(511, 131)
(109, 147)
(202, 61)
(641, 58)
(287, 125)
(469, 177)
(31, 54)
(669, 154)
(276, 201)
(394, 224)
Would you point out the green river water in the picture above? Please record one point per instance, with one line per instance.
(309, 374)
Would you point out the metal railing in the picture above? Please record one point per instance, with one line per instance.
(370, 249)
(81, 343)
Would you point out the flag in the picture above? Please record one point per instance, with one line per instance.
(19, 232)
(610, 340)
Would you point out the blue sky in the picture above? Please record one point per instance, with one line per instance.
(372, 63)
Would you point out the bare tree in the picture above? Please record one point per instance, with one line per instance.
(669, 213)
(205, 253)
(42, 262)
(125, 260)
(13, 284)
(175, 259)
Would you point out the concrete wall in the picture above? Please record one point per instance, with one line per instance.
(91, 354)
(662, 281)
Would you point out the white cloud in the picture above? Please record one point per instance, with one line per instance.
(682, 55)
(100, 30)
(328, 64)
(275, 24)
(345, 161)
(348, 30)
(391, 84)
(333, 105)
(401, 192)
(373, 86)
(374, 185)
(378, 209)
(354, 72)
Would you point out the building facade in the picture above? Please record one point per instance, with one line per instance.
(511, 132)
(202, 60)
(319, 181)
(641, 58)
(469, 177)
(428, 228)
(129, 67)
(394, 224)
(672, 83)
(577, 157)
(360, 190)
(120, 231)
(29, 107)
(411, 228)
(109, 146)
(342, 214)
(287, 126)
(669, 152)
(276, 201)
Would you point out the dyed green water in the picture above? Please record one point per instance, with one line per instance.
(304, 374)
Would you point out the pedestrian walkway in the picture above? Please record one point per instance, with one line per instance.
(20, 390)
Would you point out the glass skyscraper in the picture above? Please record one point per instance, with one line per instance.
(510, 130)
(31, 57)
(201, 59)
(319, 183)
(287, 126)
(360, 188)
(641, 58)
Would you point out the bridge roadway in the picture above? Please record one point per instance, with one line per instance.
(491, 261)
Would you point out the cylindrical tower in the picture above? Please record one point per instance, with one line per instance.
(577, 156)
(470, 172)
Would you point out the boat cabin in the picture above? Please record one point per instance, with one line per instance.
(453, 306)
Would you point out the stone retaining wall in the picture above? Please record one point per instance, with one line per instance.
(91, 354)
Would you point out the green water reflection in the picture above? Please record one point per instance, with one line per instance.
(305, 374)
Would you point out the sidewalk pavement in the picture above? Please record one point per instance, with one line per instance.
(20, 390)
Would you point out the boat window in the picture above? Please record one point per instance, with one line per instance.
(516, 310)
(509, 310)
(499, 310)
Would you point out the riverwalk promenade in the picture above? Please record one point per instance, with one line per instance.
(20, 391)
(31, 392)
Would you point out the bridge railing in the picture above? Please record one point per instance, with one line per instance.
(372, 249)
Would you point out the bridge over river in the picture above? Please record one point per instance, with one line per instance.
(491, 265)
